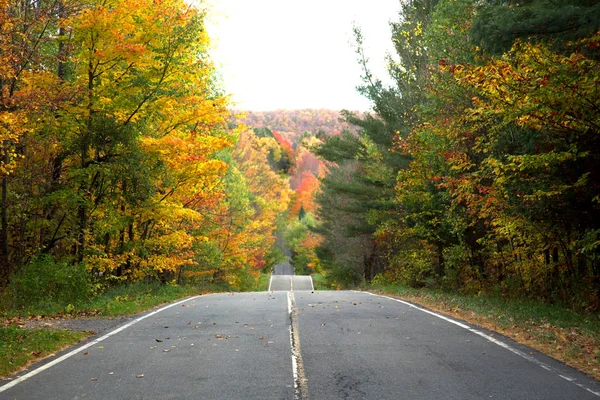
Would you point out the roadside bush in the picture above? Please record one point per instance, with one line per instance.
(411, 267)
(343, 275)
(47, 284)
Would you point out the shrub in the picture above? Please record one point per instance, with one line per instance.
(47, 284)
(411, 267)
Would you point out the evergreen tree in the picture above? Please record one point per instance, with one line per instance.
(499, 22)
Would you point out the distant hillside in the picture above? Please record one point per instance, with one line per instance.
(296, 121)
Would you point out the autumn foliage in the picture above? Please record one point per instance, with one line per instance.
(478, 169)
(297, 122)
(116, 152)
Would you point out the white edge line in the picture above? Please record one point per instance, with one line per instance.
(270, 281)
(289, 304)
(311, 283)
(292, 283)
(87, 345)
(491, 339)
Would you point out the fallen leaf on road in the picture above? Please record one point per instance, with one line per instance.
(166, 350)
(261, 338)
(111, 373)
(152, 347)
(100, 347)
(158, 340)
(85, 353)
(219, 336)
(139, 376)
(94, 379)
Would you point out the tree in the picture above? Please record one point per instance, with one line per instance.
(499, 23)
(119, 142)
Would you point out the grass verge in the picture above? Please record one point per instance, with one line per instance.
(263, 282)
(141, 296)
(20, 347)
(125, 299)
(551, 329)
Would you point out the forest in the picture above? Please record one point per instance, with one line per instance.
(297, 122)
(475, 171)
(119, 160)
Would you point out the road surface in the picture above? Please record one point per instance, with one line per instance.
(285, 268)
(283, 278)
(300, 345)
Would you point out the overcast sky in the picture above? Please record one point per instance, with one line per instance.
(287, 54)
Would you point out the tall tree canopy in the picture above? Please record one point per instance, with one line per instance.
(478, 167)
(116, 147)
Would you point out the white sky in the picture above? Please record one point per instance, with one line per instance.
(289, 54)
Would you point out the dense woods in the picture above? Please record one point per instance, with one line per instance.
(295, 123)
(118, 162)
(478, 169)
(475, 171)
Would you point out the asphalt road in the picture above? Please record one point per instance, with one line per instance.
(290, 282)
(348, 345)
(283, 279)
(285, 268)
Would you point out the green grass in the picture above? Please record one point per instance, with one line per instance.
(125, 299)
(19, 346)
(263, 282)
(140, 296)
